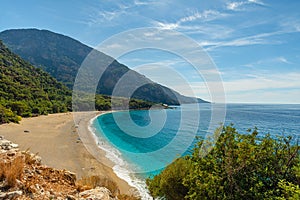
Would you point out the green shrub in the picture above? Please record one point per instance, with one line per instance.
(240, 166)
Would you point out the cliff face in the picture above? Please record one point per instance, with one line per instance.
(22, 176)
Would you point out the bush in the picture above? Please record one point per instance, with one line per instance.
(240, 166)
(6, 116)
(290, 191)
(170, 182)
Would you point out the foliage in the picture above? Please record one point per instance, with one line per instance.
(6, 116)
(26, 90)
(290, 191)
(85, 102)
(240, 166)
(62, 56)
(174, 174)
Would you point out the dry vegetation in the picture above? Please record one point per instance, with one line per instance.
(95, 181)
(11, 171)
(128, 197)
(22, 174)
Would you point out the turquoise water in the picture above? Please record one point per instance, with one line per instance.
(155, 138)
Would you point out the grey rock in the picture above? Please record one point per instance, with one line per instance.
(10, 195)
(13, 145)
(70, 176)
(99, 193)
(71, 197)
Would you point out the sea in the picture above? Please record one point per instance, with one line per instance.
(141, 143)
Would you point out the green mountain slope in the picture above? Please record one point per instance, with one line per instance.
(27, 90)
(61, 56)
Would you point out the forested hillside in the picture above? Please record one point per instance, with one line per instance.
(62, 56)
(26, 90)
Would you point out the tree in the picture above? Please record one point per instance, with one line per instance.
(174, 174)
(240, 166)
(6, 116)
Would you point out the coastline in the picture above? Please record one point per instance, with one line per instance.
(55, 138)
(121, 167)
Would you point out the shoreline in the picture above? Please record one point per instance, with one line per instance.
(64, 141)
(121, 167)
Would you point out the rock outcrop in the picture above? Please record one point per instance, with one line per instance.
(22, 176)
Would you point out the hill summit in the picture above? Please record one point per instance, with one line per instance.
(62, 56)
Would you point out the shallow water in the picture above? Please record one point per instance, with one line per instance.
(141, 143)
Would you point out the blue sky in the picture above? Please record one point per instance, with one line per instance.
(255, 44)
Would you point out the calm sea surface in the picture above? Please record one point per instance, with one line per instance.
(142, 142)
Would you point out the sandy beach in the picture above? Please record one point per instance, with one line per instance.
(56, 139)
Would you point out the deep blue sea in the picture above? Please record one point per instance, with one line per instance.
(143, 142)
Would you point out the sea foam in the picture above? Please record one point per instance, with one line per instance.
(122, 168)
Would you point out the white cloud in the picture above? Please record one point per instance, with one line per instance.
(167, 26)
(149, 3)
(262, 38)
(279, 97)
(213, 31)
(269, 61)
(110, 15)
(241, 5)
(97, 16)
(257, 2)
(291, 24)
(141, 3)
(284, 81)
(283, 60)
(206, 15)
(266, 88)
(235, 5)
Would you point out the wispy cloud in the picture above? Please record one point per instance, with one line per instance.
(269, 61)
(110, 15)
(247, 89)
(282, 59)
(241, 5)
(257, 2)
(141, 3)
(205, 16)
(212, 31)
(166, 26)
(98, 16)
(113, 13)
(262, 38)
(292, 24)
(235, 5)
(265, 82)
(145, 3)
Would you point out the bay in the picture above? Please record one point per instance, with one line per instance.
(142, 142)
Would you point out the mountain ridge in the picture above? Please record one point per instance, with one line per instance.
(61, 56)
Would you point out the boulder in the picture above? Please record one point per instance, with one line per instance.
(10, 195)
(99, 193)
